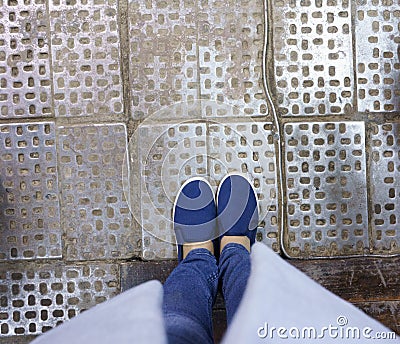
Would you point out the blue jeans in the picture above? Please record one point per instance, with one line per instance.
(191, 289)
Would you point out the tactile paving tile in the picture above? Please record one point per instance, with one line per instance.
(29, 206)
(313, 57)
(85, 57)
(34, 298)
(385, 179)
(326, 189)
(168, 156)
(163, 54)
(377, 55)
(95, 215)
(231, 40)
(25, 86)
(248, 148)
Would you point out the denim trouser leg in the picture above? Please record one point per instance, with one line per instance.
(189, 294)
(234, 266)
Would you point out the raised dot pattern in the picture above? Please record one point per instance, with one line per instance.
(385, 178)
(169, 155)
(35, 298)
(96, 218)
(313, 56)
(248, 148)
(325, 171)
(230, 43)
(378, 56)
(29, 205)
(163, 54)
(25, 86)
(85, 57)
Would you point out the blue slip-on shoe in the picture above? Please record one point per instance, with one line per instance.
(237, 207)
(194, 213)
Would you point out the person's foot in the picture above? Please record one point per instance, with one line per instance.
(237, 211)
(194, 215)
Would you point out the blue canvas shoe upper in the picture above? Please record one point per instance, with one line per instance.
(237, 207)
(194, 213)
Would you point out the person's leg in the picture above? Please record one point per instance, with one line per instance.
(190, 290)
(237, 216)
(234, 272)
(189, 294)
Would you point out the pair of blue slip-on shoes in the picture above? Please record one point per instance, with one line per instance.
(198, 218)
